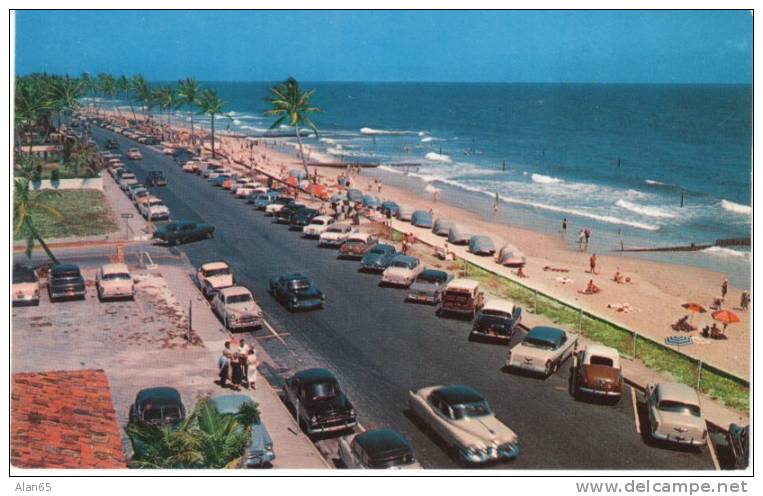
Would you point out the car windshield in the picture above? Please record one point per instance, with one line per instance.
(299, 284)
(600, 360)
(171, 413)
(116, 277)
(67, 275)
(322, 390)
(380, 250)
(538, 343)
(433, 277)
(155, 203)
(406, 264)
(470, 410)
(678, 407)
(397, 461)
(318, 222)
(217, 272)
(152, 414)
(491, 319)
(239, 298)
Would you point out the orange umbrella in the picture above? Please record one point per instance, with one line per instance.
(694, 307)
(726, 317)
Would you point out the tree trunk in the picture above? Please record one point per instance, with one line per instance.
(301, 152)
(133, 110)
(213, 135)
(41, 241)
(191, 112)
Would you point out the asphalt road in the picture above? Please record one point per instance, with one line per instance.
(380, 348)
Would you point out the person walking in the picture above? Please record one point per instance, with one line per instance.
(564, 225)
(744, 301)
(243, 353)
(593, 263)
(724, 288)
(251, 369)
(587, 234)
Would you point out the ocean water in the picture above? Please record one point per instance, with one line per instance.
(611, 157)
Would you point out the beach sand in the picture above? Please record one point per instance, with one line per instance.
(656, 291)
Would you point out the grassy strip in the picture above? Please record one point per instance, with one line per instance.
(85, 213)
(730, 391)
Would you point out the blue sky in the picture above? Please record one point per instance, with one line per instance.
(522, 46)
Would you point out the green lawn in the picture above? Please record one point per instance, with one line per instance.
(86, 213)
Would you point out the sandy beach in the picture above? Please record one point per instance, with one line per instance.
(654, 294)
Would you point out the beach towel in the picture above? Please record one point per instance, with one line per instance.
(564, 280)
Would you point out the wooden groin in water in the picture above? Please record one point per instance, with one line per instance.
(691, 247)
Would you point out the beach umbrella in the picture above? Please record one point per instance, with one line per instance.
(694, 308)
(678, 340)
(725, 317)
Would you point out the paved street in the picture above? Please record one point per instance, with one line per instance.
(381, 348)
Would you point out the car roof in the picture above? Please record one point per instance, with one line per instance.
(159, 396)
(293, 276)
(316, 375)
(359, 236)
(380, 444)
(115, 268)
(234, 290)
(422, 213)
(463, 283)
(405, 258)
(230, 403)
(64, 267)
(433, 273)
(603, 351)
(322, 217)
(215, 265)
(456, 394)
(499, 305)
(673, 391)
(384, 246)
(544, 333)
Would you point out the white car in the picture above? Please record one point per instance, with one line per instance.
(317, 226)
(402, 271)
(277, 205)
(675, 415)
(542, 350)
(127, 179)
(245, 187)
(154, 209)
(334, 235)
(191, 166)
(461, 416)
(377, 449)
(114, 281)
(133, 193)
(236, 308)
(213, 277)
(219, 172)
(168, 150)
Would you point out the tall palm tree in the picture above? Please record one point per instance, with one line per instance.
(292, 105)
(167, 99)
(89, 86)
(34, 103)
(188, 93)
(212, 105)
(123, 87)
(25, 204)
(67, 93)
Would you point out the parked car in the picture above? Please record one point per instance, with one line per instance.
(422, 218)
(214, 276)
(458, 235)
(738, 440)
(428, 286)
(134, 154)
(25, 288)
(191, 166)
(277, 204)
(318, 402)
(461, 416)
(402, 271)
(211, 171)
(140, 196)
(378, 258)
(317, 226)
(377, 449)
(126, 179)
(152, 140)
(183, 231)
(596, 371)
(357, 245)
(219, 179)
(259, 448)
(497, 319)
(134, 188)
(244, 190)
(156, 178)
(237, 309)
(66, 281)
(296, 292)
(182, 155)
(542, 350)
(158, 406)
(114, 281)
(284, 215)
(262, 200)
(675, 415)
(154, 209)
(302, 218)
(335, 235)
(389, 208)
(481, 245)
(112, 144)
(462, 297)
(442, 227)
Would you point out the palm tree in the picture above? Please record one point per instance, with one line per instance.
(33, 104)
(188, 93)
(222, 438)
(167, 99)
(164, 447)
(211, 104)
(26, 203)
(290, 104)
(89, 85)
(67, 93)
(122, 86)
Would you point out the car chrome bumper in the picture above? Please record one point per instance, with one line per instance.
(599, 392)
(487, 455)
(679, 440)
(68, 294)
(319, 429)
(421, 298)
(245, 324)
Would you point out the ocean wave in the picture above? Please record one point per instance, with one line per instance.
(388, 132)
(437, 157)
(646, 210)
(727, 252)
(736, 208)
(429, 139)
(388, 168)
(541, 179)
(254, 128)
(654, 183)
(328, 141)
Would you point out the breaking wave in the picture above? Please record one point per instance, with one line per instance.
(648, 211)
(541, 179)
(437, 157)
(736, 208)
(727, 252)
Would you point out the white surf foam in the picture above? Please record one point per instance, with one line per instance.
(727, 252)
(736, 208)
(646, 210)
(541, 179)
(654, 183)
(437, 157)
(390, 132)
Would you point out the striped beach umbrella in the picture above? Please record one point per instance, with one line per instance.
(678, 340)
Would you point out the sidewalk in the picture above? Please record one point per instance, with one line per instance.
(293, 448)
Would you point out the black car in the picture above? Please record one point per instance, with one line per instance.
(159, 406)
(66, 281)
(182, 155)
(183, 231)
(296, 292)
(156, 178)
(497, 319)
(318, 402)
(284, 215)
(738, 439)
(378, 258)
(302, 217)
(112, 144)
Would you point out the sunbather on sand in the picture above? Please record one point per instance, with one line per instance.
(618, 278)
(591, 288)
(554, 269)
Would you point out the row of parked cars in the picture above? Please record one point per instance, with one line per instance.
(151, 207)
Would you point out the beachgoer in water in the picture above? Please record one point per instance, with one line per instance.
(564, 225)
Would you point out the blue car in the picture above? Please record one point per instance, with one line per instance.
(391, 207)
(219, 180)
(378, 258)
(259, 450)
(262, 200)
